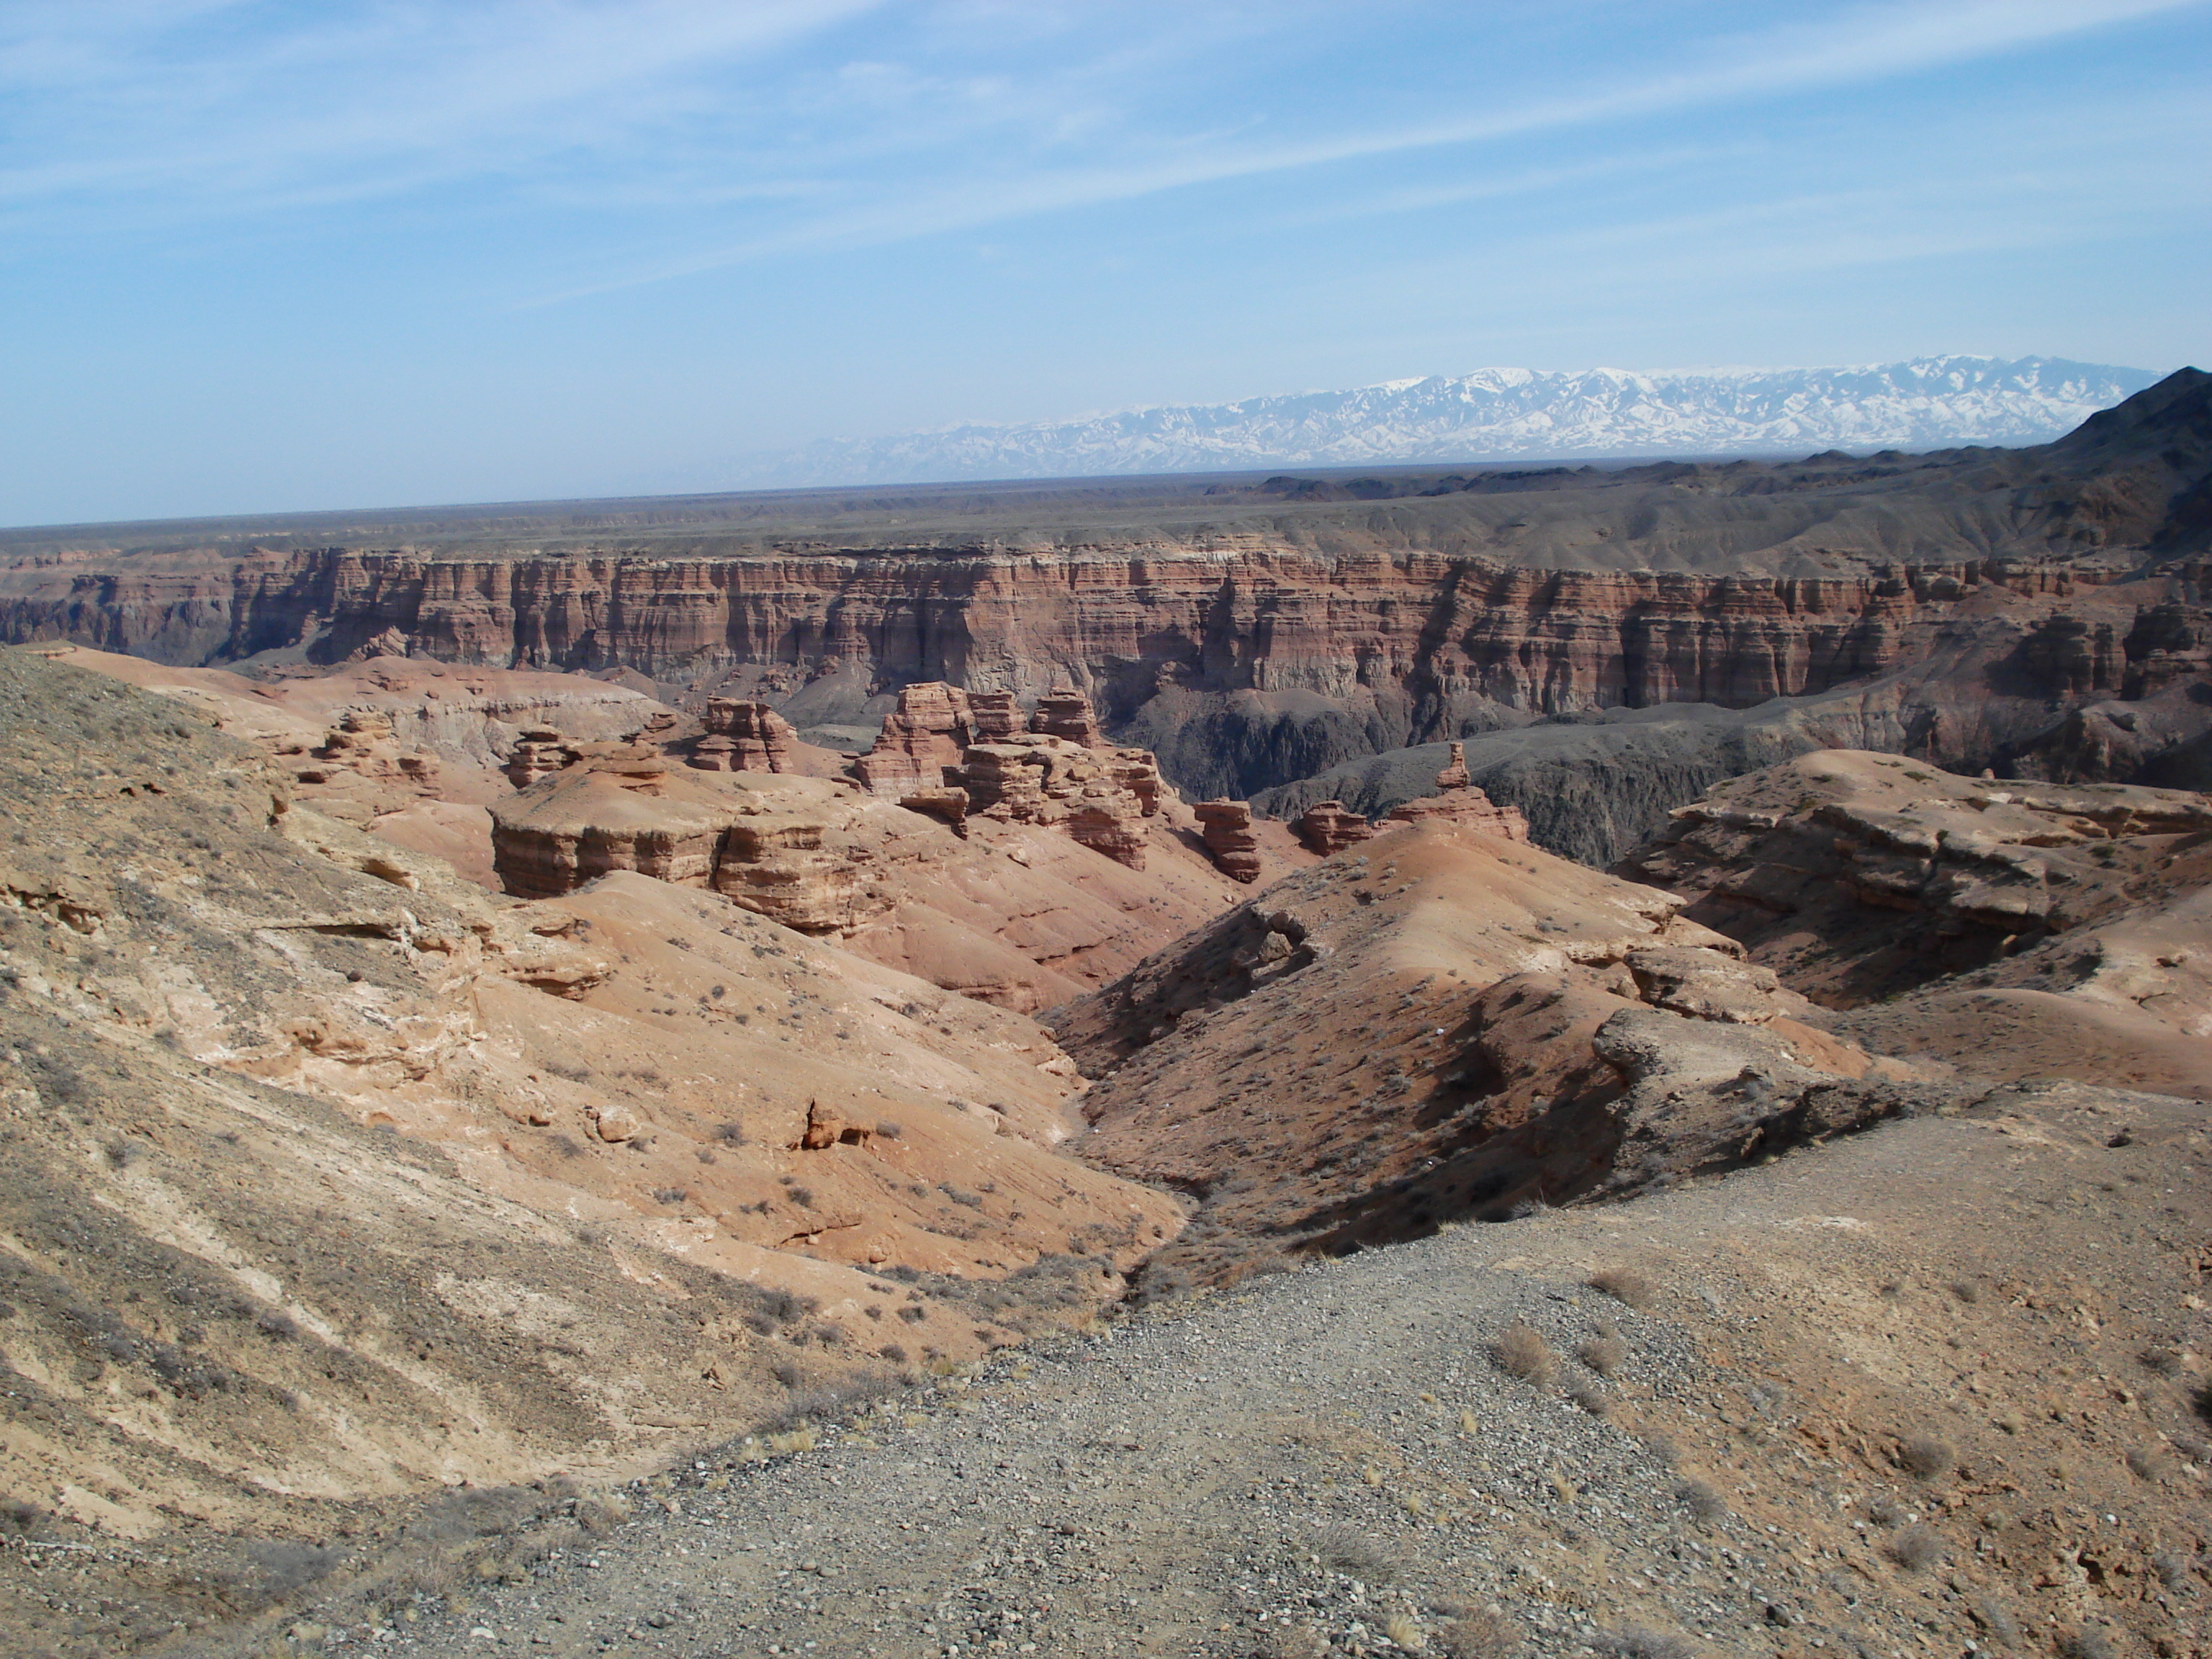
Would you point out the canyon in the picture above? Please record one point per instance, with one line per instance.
(1258, 637)
(494, 1039)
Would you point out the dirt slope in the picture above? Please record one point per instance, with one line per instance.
(1886, 1397)
(331, 1176)
(1440, 1024)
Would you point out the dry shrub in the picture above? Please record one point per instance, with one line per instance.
(2090, 1642)
(1630, 1285)
(1478, 1633)
(1592, 1399)
(1522, 1351)
(2147, 1463)
(1353, 1553)
(1915, 1549)
(1993, 1616)
(1703, 1503)
(601, 1515)
(1634, 1642)
(1605, 1355)
(1926, 1456)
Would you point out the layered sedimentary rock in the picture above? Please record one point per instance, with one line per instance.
(1064, 712)
(1243, 657)
(922, 742)
(1898, 872)
(541, 752)
(743, 736)
(1227, 828)
(1458, 801)
(607, 813)
(1032, 779)
(1327, 827)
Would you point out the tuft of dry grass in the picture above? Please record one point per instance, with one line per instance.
(1522, 1351)
(1635, 1642)
(1605, 1354)
(1703, 1503)
(1405, 1632)
(1478, 1633)
(1630, 1285)
(1926, 1456)
(1916, 1549)
(1355, 1554)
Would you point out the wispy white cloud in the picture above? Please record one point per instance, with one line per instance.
(128, 98)
(1866, 43)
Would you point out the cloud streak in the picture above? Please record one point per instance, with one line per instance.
(1868, 43)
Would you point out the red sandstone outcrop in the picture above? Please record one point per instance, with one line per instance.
(1459, 801)
(1065, 713)
(1455, 774)
(922, 742)
(743, 736)
(2076, 914)
(540, 753)
(1328, 827)
(605, 813)
(1034, 779)
(1227, 828)
(993, 716)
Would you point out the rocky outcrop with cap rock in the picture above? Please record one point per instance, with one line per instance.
(1227, 828)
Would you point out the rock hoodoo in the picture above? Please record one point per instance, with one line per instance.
(1226, 827)
(1458, 801)
(921, 744)
(541, 753)
(1065, 713)
(743, 736)
(1328, 827)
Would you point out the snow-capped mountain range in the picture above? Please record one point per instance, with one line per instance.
(1502, 413)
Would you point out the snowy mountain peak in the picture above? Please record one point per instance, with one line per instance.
(1503, 414)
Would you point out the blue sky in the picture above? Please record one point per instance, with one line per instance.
(263, 256)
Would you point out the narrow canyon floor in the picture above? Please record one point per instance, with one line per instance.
(1931, 1389)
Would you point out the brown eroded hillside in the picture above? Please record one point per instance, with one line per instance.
(331, 1176)
(2019, 930)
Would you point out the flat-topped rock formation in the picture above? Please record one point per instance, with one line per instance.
(2016, 929)
(1226, 826)
(1328, 827)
